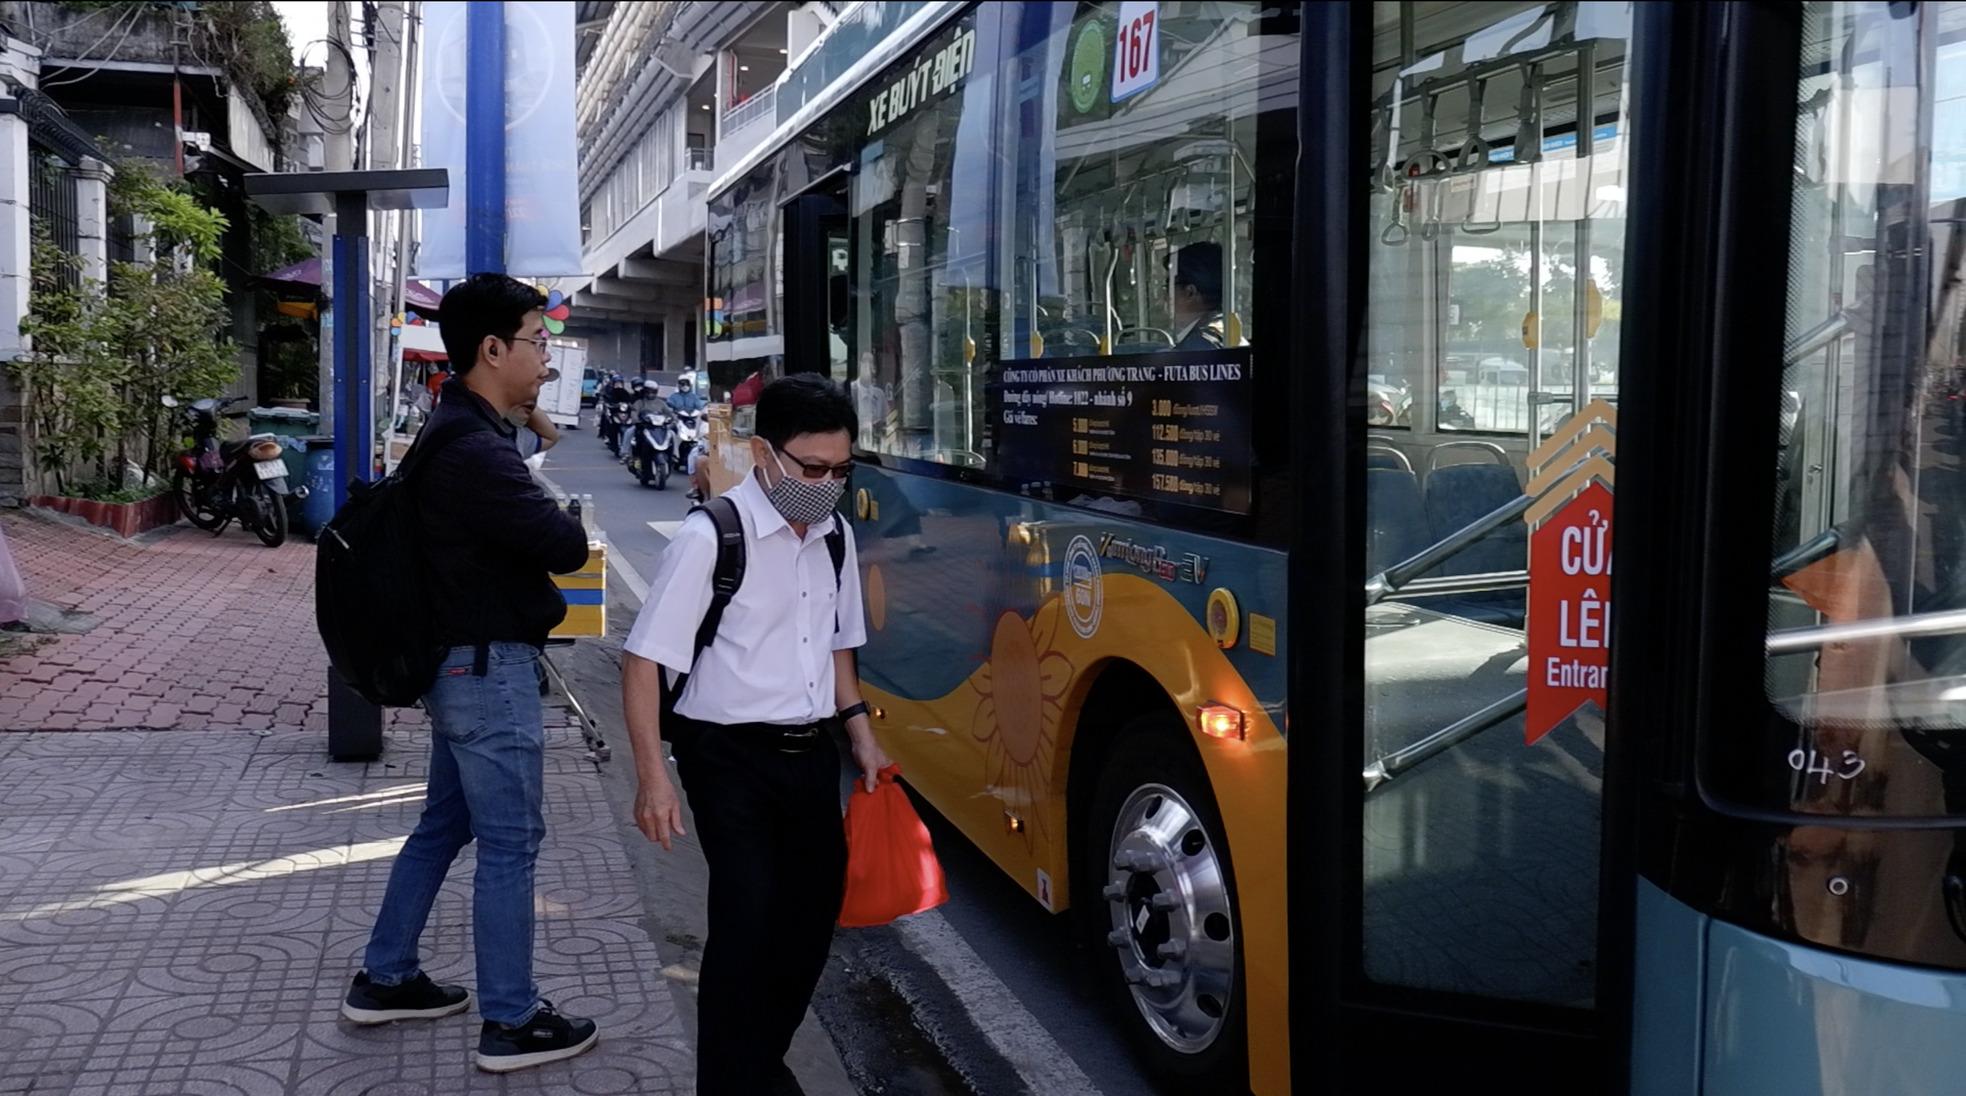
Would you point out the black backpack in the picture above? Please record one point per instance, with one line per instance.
(725, 578)
(372, 600)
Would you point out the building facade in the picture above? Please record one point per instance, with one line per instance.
(669, 93)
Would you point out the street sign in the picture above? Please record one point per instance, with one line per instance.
(1569, 611)
(1569, 627)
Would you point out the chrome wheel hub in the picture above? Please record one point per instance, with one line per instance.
(1171, 918)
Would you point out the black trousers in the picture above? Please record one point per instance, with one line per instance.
(771, 830)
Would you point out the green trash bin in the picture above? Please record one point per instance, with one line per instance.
(287, 422)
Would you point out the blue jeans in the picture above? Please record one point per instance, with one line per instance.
(487, 779)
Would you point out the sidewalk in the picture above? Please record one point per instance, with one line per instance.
(194, 632)
(180, 912)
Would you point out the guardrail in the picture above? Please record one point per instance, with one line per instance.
(759, 108)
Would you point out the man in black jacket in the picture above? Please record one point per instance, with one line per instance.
(492, 536)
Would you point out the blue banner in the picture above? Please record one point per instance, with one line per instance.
(542, 215)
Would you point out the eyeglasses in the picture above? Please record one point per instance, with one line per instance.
(814, 470)
(544, 346)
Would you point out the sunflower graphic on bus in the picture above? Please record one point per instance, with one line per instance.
(1020, 697)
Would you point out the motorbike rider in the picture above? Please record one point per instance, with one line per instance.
(685, 400)
(613, 390)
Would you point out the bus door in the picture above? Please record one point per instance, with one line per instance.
(818, 329)
(1461, 851)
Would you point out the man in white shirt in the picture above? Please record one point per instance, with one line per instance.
(761, 771)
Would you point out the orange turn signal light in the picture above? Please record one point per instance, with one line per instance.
(1220, 721)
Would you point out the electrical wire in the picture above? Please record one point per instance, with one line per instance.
(324, 105)
(128, 26)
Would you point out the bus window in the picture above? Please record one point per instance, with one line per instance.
(1480, 231)
(1866, 657)
(1130, 189)
(1497, 242)
(914, 300)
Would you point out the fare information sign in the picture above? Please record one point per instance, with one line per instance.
(1172, 426)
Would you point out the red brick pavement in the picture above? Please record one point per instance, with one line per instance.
(197, 632)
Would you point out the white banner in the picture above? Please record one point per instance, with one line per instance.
(542, 215)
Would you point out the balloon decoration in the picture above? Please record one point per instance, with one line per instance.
(557, 312)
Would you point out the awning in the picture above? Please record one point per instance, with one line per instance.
(307, 272)
(423, 343)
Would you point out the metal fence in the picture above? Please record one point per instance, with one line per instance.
(51, 206)
(122, 239)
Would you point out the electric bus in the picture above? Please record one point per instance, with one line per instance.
(1246, 394)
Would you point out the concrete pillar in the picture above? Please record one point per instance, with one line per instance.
(672, 340)
(142, 244)
(92, 219)
(20, 63)
(16, 232)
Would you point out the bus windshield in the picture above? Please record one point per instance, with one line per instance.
(1866, 650)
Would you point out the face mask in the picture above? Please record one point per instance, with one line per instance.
(802, 502)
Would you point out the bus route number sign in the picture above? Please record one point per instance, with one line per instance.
(1569, 611)
(1136, 48)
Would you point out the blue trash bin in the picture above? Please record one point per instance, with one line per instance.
(318, 508)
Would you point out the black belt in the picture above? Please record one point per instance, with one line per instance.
(785, 738)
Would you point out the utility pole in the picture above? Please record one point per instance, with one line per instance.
(387, 120)
(335, 110)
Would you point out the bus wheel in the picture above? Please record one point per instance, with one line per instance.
(1169, 946)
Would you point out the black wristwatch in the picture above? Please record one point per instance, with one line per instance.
(852, 710)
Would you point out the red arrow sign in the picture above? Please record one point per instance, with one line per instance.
(1569, 611)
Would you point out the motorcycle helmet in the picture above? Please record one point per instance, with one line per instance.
(683, 385)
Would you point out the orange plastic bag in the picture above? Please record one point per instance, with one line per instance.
(891, 869)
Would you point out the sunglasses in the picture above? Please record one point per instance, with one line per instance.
(814, 470)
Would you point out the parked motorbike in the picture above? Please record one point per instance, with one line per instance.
(653, 452)
(1387, 404)
(218, 482)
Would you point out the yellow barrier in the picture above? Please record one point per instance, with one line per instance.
(586, 594)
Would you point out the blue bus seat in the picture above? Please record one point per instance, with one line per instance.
(1395, 519)
(1457, 496)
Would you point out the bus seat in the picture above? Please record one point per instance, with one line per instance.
(1387, 457)
(1457, 495)
(1395, 519)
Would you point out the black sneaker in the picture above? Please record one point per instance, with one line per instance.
(417, 999)
(547, 1037)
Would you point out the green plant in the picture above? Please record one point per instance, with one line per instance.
(291, 364)
(109, 491)
(251, 41)
(104, 356)
(71, 408)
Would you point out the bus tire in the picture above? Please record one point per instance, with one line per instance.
(1156, 878)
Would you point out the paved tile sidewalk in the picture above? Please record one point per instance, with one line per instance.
(180, 914)
(196, 631)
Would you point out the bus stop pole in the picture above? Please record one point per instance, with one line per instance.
(354, 724)
(484, 139)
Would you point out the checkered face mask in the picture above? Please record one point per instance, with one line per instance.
(802, 502)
